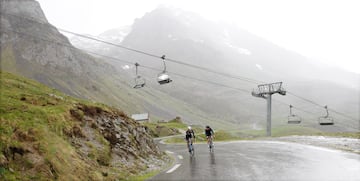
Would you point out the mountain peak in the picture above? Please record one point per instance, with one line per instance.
(24, 8)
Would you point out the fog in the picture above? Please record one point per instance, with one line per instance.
(326, 31)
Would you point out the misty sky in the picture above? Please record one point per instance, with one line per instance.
(326, 30)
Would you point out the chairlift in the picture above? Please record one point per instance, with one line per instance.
(139, 81)
(326, 120)
(292, 118)
(163, 77)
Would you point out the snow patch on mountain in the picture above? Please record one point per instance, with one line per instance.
(115, 35)
(198, 41)
(126, 67)
(170, 36)
(259, 66)
(227, 41)
(240, 50)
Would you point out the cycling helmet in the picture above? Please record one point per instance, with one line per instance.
(189, 127)
(207, 126)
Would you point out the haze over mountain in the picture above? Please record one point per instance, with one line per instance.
(39, 51)
(189, 38)
(115, 35)
(32, 47)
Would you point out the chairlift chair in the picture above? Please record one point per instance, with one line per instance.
(139, 81)
(163, 77)
(326, 120)
(292, 118)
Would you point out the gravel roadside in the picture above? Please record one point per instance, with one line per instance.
(341, 143)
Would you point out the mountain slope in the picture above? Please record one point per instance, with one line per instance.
(189, 38)
(32, 47)
(45, 134)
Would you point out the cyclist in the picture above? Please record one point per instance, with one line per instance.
(209, 133)
(189, 136)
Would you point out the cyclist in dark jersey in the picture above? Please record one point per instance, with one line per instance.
(189, 136)
(209, 133)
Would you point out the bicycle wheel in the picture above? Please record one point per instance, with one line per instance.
(211, 146)
(191, 150)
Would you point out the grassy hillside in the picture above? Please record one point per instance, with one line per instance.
(46, 135)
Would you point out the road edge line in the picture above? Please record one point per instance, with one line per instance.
(173, 168)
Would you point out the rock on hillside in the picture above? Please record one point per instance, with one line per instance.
(128, 140)
(46, 135)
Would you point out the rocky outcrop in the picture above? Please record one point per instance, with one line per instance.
(130, 143)
(46, 135)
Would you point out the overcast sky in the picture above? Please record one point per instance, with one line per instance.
(326, 30)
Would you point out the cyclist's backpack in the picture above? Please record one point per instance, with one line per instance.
(189, 133)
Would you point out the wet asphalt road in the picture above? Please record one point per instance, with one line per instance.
(261, 160)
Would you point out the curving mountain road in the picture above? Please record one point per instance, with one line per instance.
(261, 160)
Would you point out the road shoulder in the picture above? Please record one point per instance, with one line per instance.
(339, 143)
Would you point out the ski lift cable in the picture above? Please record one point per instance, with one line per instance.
(308, 112)
(168, 59)
(208, 70)
(217, 72)
(146, 53)
(316, 104)
(105, 56)
(64, 45)
(197, 79)
(176, 61)
(314, 115)
(307, 100)
(109, 43)
(121, 60)
(117, 59)
(294, 107)
(86, 37)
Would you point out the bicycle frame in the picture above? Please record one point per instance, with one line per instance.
(190, 146)
(210, 143)
(189, 142)
(209, 139)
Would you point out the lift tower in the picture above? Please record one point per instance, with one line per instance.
(265, 91)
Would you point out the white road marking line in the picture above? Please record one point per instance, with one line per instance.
(180, 157)
(173, 168)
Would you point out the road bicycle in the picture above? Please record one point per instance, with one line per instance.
(191, 147)
(211, 144)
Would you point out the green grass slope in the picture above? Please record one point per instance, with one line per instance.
(47, 135)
